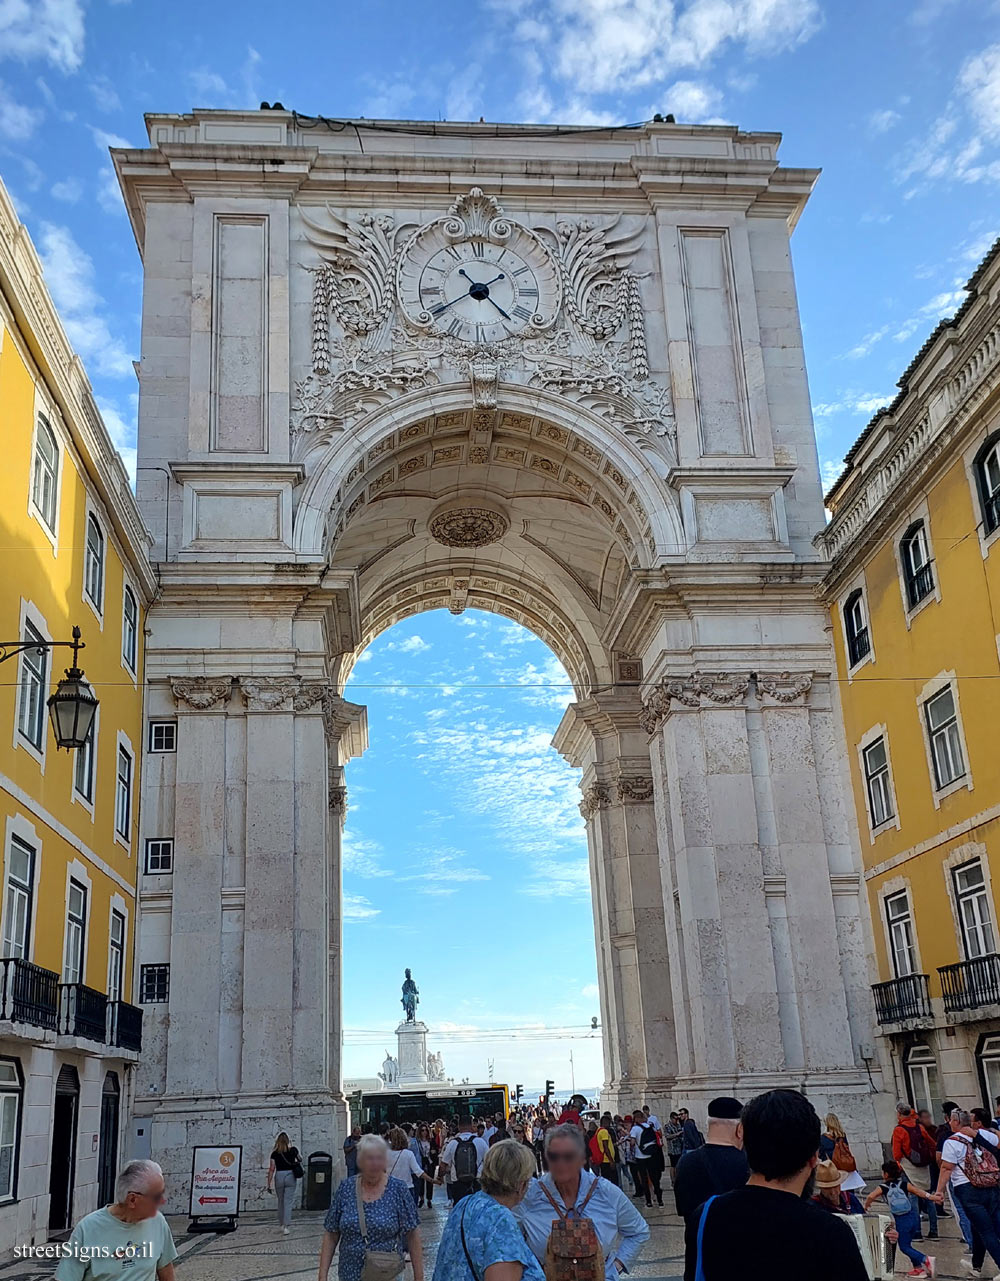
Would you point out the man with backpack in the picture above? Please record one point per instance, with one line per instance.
(649, 1163)
(462, 1160)
(914, 1150)
(969, 1164)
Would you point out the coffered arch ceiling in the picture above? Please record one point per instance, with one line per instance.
(500, 510)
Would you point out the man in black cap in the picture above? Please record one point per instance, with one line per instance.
(719, 1165)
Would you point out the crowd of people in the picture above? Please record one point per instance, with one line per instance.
(548, 1195)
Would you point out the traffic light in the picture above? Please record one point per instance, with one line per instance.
(518, 1091)
(550, 1088)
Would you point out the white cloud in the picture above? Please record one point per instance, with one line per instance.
(69, 190)
(360, 856)
(69, 274)
(829, 470)
(355, 907)
(412, 645)
(867, 343)
(51, 30)
(623, 45)
(591, 991)
(979, 81)
(213, 90)
(883, 121)
(122, 430)
(109, 195)
(692, 101)
(104, 93)
(17, 121)
(852, 402)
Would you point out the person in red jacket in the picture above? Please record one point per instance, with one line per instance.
(914, 1150)
(571, 1112)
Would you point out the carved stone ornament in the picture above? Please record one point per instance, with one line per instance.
(635, 789)
(201, 692)
(269, 693)
(388, 318)
(725, 687)
(785, 687)
(596, 797)
(469, 527)
(309, 695)
(337, 798)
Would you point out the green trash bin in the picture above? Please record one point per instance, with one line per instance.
(319, 1181)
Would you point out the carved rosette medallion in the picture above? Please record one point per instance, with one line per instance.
(309, 695)
(269, 693)
(469, 527)
(202, 692)
(596, 797)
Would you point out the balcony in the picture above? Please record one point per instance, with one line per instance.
(84, 1012)
(124, 1025)
(971, 985)
(901, 999)
(30, 994)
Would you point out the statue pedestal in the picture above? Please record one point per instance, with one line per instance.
(412, 1041)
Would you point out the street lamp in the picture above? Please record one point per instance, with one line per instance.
(73, 706)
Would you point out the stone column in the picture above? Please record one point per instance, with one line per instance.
(411, 1042)
(603, 735)
(756, 946)
(195, 1053)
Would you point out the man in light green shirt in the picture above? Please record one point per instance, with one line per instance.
(127, 1241)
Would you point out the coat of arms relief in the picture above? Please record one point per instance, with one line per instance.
(476, 295)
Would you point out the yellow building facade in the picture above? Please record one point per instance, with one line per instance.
(73, 552)
(914, 594)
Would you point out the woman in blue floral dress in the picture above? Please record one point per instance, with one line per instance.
(481, 1240)
(390, 1217)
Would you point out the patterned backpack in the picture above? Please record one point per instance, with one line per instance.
(980, 1166)
(574, 1251)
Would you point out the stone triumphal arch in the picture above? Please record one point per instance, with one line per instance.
(556, 374)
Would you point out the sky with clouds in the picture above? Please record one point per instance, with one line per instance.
(898, 101)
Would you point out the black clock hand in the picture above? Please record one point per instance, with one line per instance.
(480, 284)
(499, 308)
(436, 311)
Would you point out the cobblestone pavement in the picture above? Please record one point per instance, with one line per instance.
(257, 1251)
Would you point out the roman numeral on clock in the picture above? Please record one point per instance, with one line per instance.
(527, 292)
(478, 249)
(522, 313)
(521, 270)
(455, 328)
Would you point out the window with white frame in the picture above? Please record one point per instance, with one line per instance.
(856, 627)
(918, 574)
(76, 933)
(130, 628)
(34, 680)
(945, 738)
(989, 1065)
(922, 1077)
(159, 856)
(116, 956)
(11, 1092)
(899, 921)
(154, 983)
(20, 895)
(987, 469)
(123, 794)
(163, 736)
(93, 566)
(83, 767)
(45, 474)
(975, 915)
(877, 783)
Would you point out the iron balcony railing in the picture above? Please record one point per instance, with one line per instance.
(904, 998)
(30, 994)
(991, 505)
(919, 583)
(970, 985)
(84, 1012)
(858, 645)
(124, 1025)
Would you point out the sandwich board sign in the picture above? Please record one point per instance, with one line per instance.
(215, 1188)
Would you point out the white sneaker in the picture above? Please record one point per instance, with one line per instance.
(284, 1232)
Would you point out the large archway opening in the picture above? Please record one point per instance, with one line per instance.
(465, 857)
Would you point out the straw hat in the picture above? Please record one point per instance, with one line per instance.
(828, 1176)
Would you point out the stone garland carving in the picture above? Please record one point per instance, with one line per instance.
(337, 798)
(724, 688)
(201, 692)
(635, 789)
(380, 355)
(269, 693)
(469, 527)
(788, 687)
(596, 797)
(309, 695)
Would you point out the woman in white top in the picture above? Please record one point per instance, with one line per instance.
(969, 1137)
(402, 1164)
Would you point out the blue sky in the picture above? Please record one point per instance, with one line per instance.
(898, 103)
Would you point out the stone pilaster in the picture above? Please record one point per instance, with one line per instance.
(602, 735)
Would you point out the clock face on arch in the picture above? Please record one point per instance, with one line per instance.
(479, 290)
